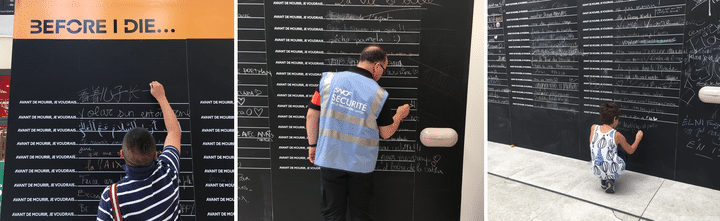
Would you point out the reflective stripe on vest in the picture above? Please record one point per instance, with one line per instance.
(370, 121)
(348, 126)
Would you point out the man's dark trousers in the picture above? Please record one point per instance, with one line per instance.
(341, 189)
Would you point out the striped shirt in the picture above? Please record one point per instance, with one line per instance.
(147, 193)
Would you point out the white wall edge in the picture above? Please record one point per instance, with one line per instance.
(473, 184)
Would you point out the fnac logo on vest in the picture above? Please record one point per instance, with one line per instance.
(341, 97)
(343, 92)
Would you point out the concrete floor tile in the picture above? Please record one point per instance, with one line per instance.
(626, 217)
(506, 161)
(509, 200)
(501, 160)
(534, 167)
(572, 209)
(680, 201)
(556, 173)
(633, 192)
(638, 194)
(493, 180)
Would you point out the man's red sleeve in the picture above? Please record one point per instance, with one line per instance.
(315, 101)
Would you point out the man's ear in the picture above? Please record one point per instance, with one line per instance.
(122, 155)
(156, 154)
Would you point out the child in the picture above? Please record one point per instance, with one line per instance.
(607, 160)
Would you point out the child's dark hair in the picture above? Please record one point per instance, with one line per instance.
(139, 147)
(608, 112)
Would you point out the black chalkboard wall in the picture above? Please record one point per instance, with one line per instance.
(284, 46)
(73, 101)
(552, 63)
(7, 7)
(81, 74)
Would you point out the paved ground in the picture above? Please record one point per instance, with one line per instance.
(524, 184)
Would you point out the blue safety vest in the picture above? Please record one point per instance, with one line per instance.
(348, 133)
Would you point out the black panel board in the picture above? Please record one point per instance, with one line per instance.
(7, 7)
(498, 98)
(650, 58)
(442, 102)
(543, 65)
(73, 101)
(428, 45)
(698, 142)
(210, 68)
(632, 56)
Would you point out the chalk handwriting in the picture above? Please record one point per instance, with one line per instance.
(87, 195)
(351, 61)
(105, 127)
(548, 30)
(496, 46)
(104, 164)
(256, 71)
(556, 51)
(257, 111)
(254, 92)
(650, 23)
(552, 44)
(549, 14)
(669, 10)
(336, 16)
(556, 66)
(99, 94)
(649, 33)
(554, 36)
(648, 41)
(402, 71)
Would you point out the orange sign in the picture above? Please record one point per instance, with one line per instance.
(124, 19)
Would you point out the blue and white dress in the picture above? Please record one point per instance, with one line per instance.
(606, 163)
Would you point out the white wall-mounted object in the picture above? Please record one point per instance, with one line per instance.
(6, 25)
(438, 137)
(710, 94)
(5, 52)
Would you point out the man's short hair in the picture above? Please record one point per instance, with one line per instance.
(139, 147)
(373, 54)
(608, 112)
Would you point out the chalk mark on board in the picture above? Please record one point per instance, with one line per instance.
(714, 142)
(258, 111)
(428, 66)
(714, 116)
(388, 11)
(710, 2)
(687, 96)
(703, 156)
(97, 94)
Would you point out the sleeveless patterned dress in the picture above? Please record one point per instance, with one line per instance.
(606, 164)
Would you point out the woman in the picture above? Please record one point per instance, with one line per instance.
(607, 160)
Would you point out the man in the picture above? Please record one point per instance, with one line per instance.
(345, 119)
(149, 191)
